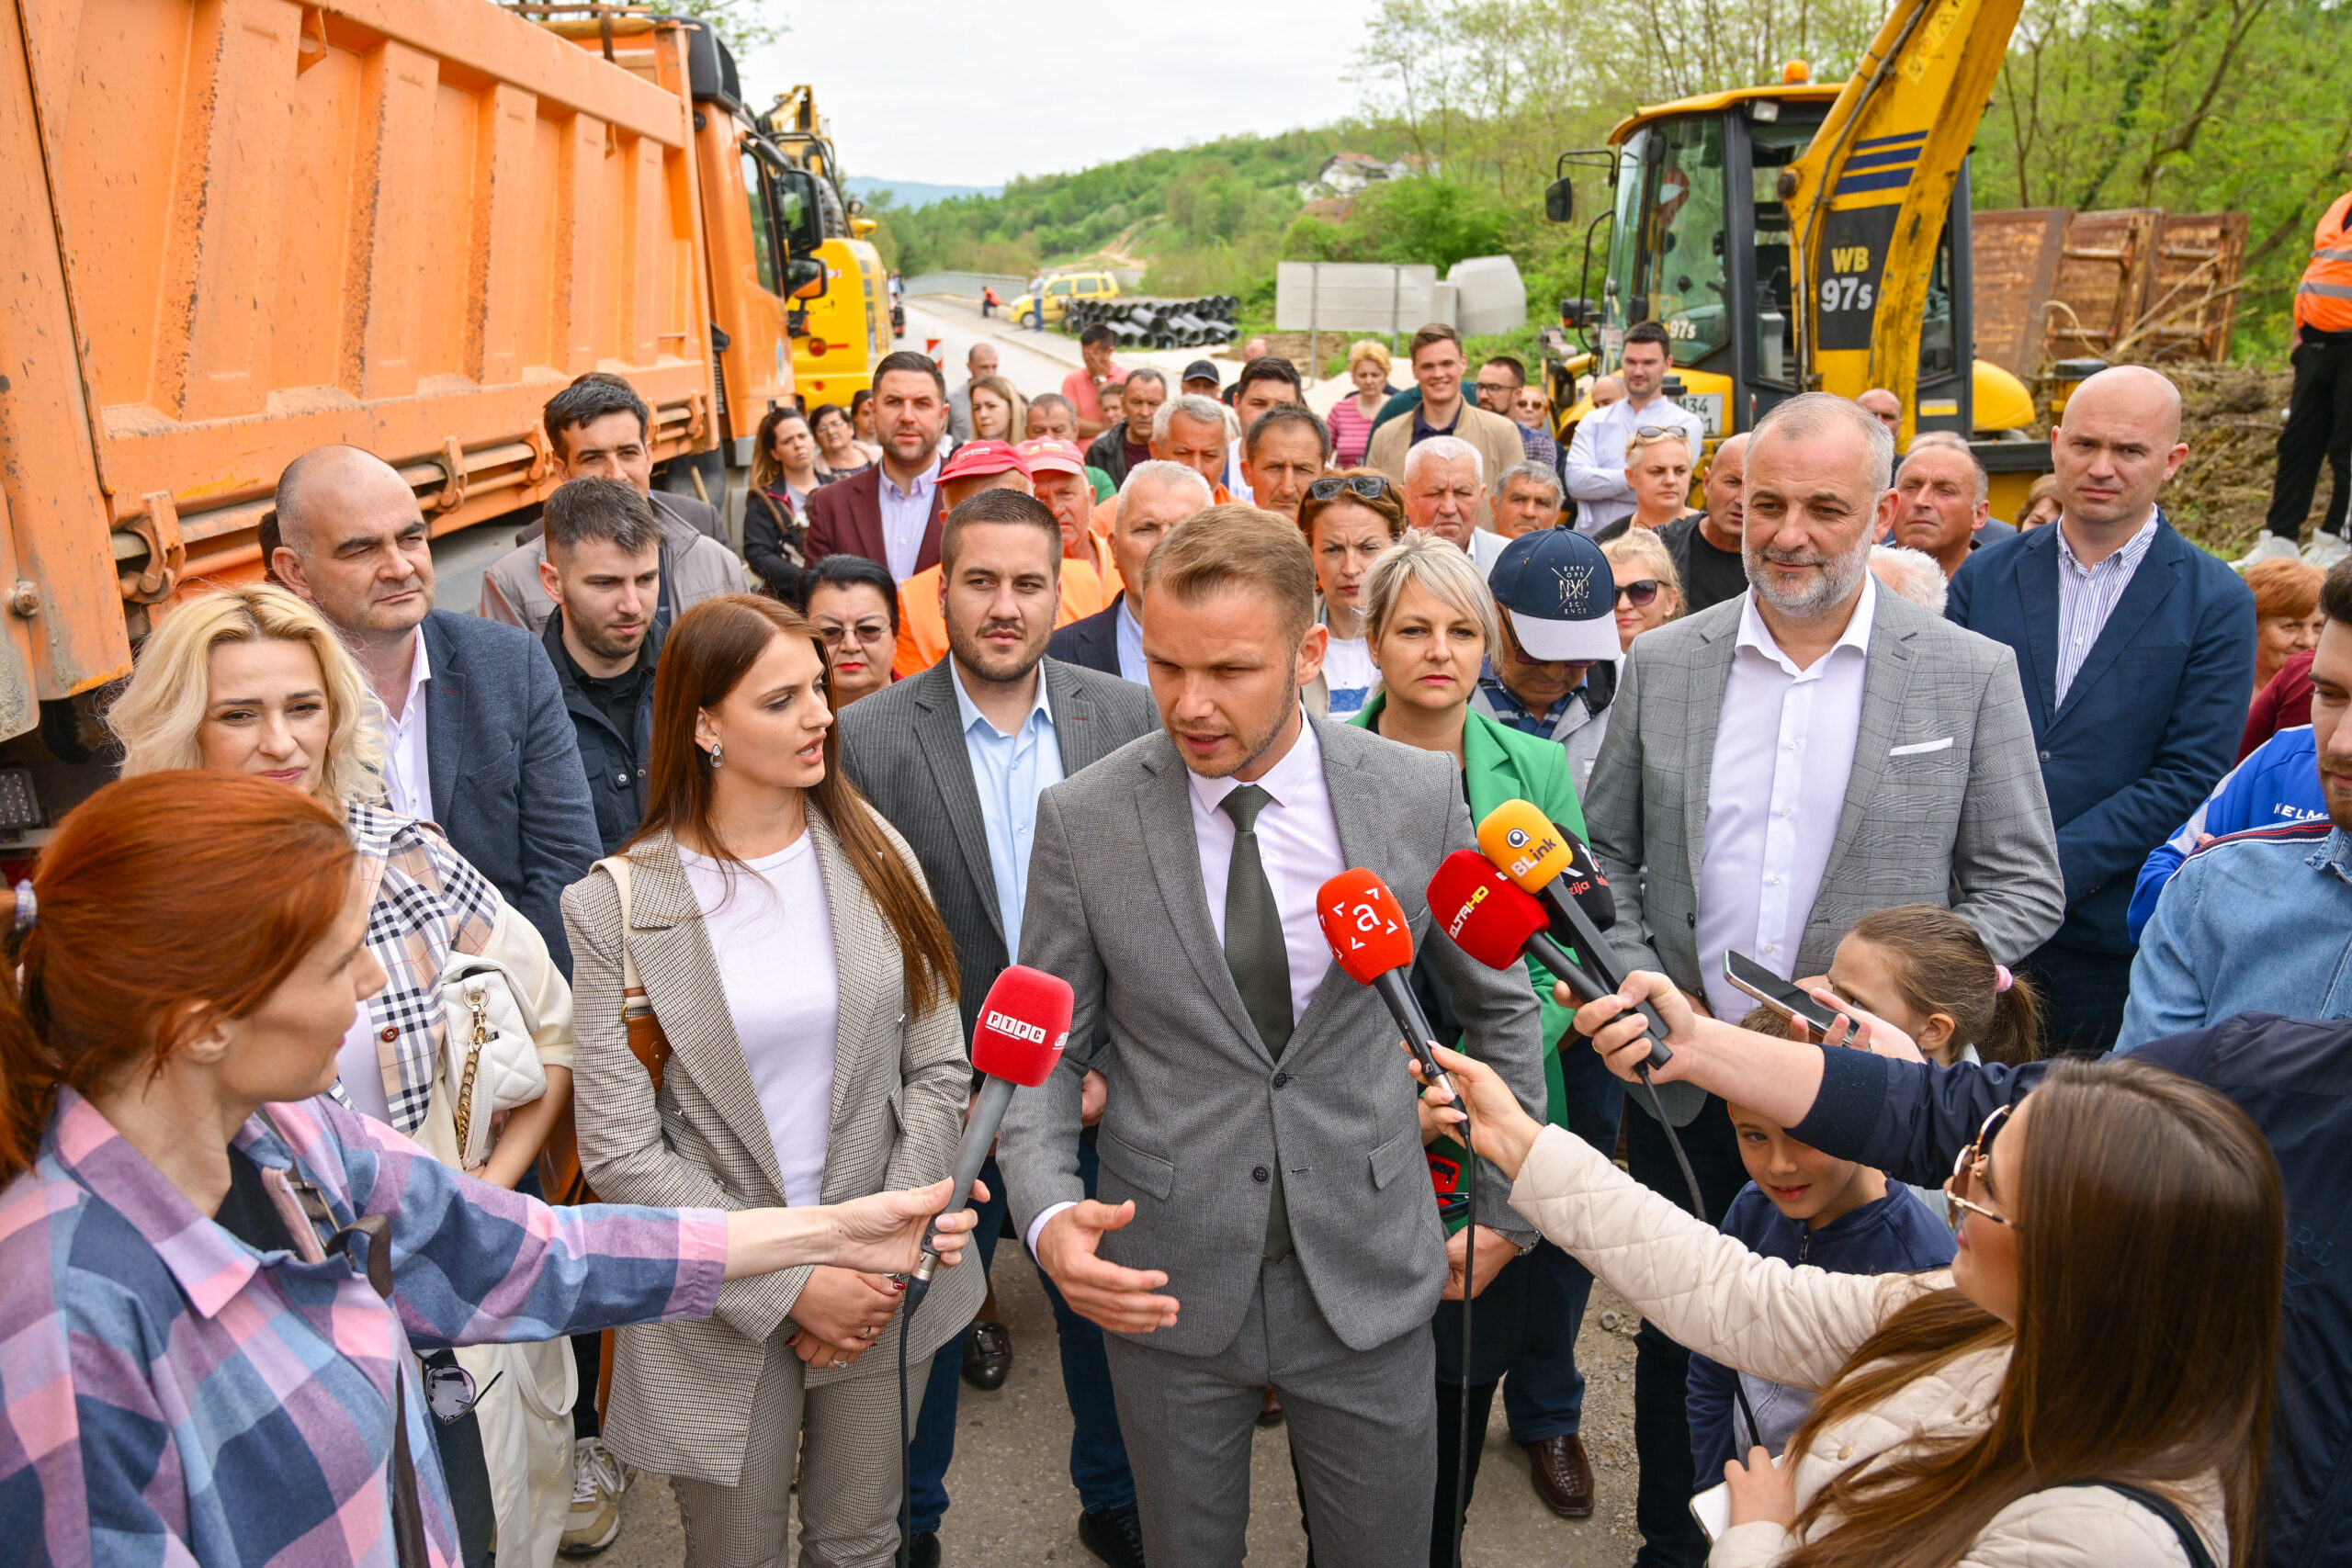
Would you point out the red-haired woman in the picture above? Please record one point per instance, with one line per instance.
(785, 938)
(211, 1274)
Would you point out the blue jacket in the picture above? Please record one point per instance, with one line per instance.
(2293, 1076)
(1092, 641)
(2150, 722)
(2277, 784)
(508, 788)
(1894, 1235)
(2258, 921)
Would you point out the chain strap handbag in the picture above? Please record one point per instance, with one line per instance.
(492, 1049)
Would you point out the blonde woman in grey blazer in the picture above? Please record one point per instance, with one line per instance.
(786, 941)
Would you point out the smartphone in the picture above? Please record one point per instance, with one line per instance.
(1776, 993)
(1712, 1508)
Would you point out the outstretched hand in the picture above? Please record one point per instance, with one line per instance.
(882, 1234)
(1126, 1301)
(1621, 1035)
(1500, 1129)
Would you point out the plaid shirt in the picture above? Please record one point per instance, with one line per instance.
(428, 903)
(171, 1396)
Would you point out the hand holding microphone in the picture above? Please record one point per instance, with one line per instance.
(1024, 1023)
(1372, 942)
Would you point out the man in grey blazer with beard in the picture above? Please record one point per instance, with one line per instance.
(1267, 1215)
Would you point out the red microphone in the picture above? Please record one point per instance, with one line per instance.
(1371, 940)
(1023, 1024)
(1497, 922)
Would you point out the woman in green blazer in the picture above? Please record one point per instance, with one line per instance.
(1429, 621)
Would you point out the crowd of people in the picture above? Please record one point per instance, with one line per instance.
(675, 880)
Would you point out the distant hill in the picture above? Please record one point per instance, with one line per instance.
(913, 193)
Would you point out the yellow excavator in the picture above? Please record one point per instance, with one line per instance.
(841, 325)
(1810, 236)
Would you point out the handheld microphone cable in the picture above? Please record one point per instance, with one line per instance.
(1372, 941)
(1023, 1024)
(1492, 906)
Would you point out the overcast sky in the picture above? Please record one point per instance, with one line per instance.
(956, 94)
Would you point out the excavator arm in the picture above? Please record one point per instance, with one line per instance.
(1868, 198)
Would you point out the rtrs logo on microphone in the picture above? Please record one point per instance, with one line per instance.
(1019, 1028)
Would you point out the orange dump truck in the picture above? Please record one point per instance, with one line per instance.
(235, 229)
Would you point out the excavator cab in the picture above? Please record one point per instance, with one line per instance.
(1699, 240)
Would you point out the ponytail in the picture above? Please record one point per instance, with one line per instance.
(163, 900)
(2014, 1035)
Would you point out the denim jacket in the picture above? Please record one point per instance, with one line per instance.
(2254, 923)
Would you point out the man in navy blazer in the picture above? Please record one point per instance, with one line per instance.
(2137, 653)
(476, 740)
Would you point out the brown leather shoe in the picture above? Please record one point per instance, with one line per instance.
(1562, 1475)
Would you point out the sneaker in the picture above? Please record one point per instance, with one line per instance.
(598, 1479)
(2270, 546)
(2326, 549)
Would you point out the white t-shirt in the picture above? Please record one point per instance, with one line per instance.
(772, 934)
(1350, 674)
(362, 1070)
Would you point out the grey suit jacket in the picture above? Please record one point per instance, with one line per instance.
(1197, 1107)
(680, 1396)
(904, 747)
(1961, 824)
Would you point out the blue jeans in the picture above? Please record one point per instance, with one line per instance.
(1098, 1454)
(1543, 1391)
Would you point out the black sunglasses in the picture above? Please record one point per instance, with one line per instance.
(1639, 594)
(1371, 487)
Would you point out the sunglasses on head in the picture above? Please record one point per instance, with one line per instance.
(1371, 487)
(1639, 594)
(1657, 431)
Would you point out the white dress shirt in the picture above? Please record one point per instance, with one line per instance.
(1132, 666)
(408, 766)
(1298, 848)
(1597, 455)
(1009, 771)
(1236, 485)
(906, 513)
(1784, 747)
(2088, 596)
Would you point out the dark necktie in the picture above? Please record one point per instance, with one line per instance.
(1259, 961)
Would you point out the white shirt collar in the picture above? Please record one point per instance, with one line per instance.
(1127, 617)
(1283, 781)
(1754, 634)
(420, 671)
(923, 481)
(970, 714)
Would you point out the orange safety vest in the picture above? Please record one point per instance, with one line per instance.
(2323, 302)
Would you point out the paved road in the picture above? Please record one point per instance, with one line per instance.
(1014, 1508)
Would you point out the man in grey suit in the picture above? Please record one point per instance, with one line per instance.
(1267, 1216)
(1779, 765)
(954, 758)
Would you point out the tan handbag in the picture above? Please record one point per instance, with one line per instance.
(559, 1174)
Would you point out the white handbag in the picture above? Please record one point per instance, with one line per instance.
(492, 1057)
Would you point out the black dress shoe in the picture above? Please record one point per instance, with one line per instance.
(922, 1550)
(1114, 1535)
(987, 1356)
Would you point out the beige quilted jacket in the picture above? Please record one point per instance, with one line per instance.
(1797, 1327)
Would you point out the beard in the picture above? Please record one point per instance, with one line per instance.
(984, 660)
(1840, 576)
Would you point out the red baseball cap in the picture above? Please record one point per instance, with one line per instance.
(1052, 457)
(977, 459)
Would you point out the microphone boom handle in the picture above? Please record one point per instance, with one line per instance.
(1406, 1008)
(979, 1132)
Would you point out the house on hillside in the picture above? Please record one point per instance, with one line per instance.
(1346, 174)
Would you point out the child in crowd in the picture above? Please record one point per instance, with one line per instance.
(1925, 970)
(1805, 1209)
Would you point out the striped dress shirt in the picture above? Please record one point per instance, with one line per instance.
(169, 1395)
(2088, 594)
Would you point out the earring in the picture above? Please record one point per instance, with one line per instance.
(717, 756)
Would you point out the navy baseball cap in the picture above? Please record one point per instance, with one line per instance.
(1561, 596)
(1201, 370)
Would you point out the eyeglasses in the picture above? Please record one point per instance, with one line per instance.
(1371, 487)
(1497, 389)
(833, 635)
(1975, 1157)
(1639, 594)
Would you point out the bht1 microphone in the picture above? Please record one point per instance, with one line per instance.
(1497, 922)
(1024, 1023)
(1371, 940)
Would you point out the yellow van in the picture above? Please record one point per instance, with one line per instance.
(1060, 291)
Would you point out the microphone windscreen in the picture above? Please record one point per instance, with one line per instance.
(1583, 882)
(1523, 845)
(1024, 1023)
(1364, 925)
(1488, 916)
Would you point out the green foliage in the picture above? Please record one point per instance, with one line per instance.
(1435, 222)
(744, 25)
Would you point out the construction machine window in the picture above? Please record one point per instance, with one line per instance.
(1773, 147)
(767, 254)
(1683, 240)
(1617, 288)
